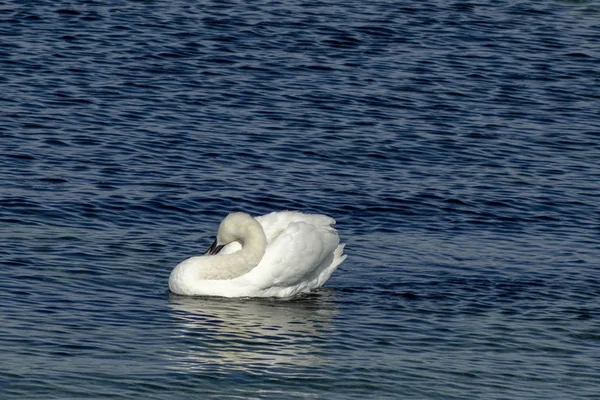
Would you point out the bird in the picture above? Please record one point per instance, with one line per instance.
(280, 254)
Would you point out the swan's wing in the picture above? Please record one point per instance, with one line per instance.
(275, 223)
(294, 255)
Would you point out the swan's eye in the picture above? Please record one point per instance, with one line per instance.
(214, 248)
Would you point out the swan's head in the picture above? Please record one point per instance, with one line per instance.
(235, 227)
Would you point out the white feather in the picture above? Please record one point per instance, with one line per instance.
(300, 253)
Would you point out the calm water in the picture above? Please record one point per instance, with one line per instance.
(456, 143)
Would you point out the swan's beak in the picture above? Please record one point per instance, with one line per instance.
(214, 249)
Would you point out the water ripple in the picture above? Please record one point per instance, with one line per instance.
(455, 144)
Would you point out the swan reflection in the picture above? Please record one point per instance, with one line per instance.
(250, 334)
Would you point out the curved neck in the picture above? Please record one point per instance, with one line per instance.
(254, 244)
(230, 266)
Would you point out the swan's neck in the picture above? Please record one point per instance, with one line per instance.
(230, 266)
(254, 244)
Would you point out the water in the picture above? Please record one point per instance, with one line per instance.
(456, 143)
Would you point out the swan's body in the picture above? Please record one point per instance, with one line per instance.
(275, 255)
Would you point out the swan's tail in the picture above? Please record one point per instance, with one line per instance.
(338, 258)
(338, 255)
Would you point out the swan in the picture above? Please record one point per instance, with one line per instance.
(275, 255)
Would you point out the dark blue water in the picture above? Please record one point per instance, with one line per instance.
(457, 144)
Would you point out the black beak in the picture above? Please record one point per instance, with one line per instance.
(214, 249)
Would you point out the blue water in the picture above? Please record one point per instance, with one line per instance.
(457, 144)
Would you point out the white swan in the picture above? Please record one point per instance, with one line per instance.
(275, 255)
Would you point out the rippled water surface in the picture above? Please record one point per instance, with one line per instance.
(456, 144)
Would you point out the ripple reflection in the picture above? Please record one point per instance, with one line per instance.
(253, 335)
